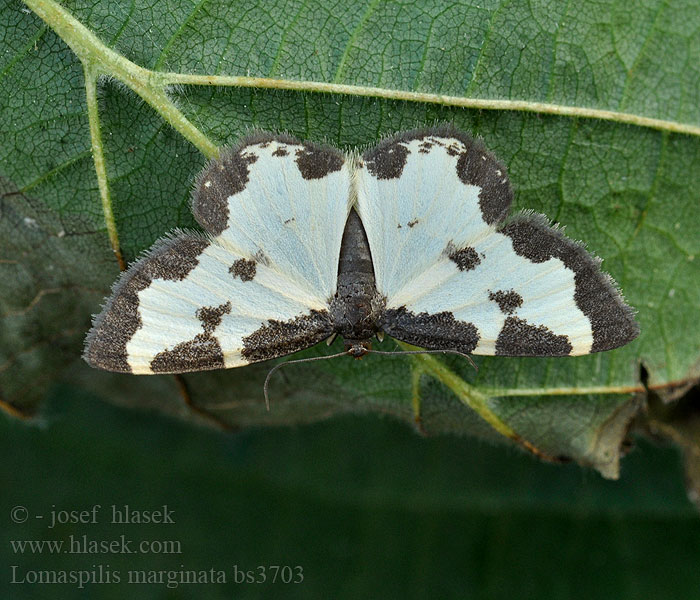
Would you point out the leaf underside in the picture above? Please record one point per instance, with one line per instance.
(630, 192)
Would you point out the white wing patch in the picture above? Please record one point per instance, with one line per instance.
(258, 288)
(285, 202)
(433, 203)
(415, 213)
(181, 319)
(502, 285)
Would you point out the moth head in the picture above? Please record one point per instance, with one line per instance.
(358, 348)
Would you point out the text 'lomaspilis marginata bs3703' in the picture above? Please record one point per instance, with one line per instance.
(303, 242)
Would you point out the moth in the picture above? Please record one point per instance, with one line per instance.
(302, 242)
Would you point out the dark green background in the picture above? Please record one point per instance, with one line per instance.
(368, 508)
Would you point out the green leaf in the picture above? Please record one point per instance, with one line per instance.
(595, 108)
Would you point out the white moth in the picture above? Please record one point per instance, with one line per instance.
(303, 242)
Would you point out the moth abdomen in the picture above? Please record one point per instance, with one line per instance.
(357, 305)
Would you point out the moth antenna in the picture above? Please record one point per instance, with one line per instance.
(291, 362)
(469, 358)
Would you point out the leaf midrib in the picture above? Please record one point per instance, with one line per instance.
(93, 50)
